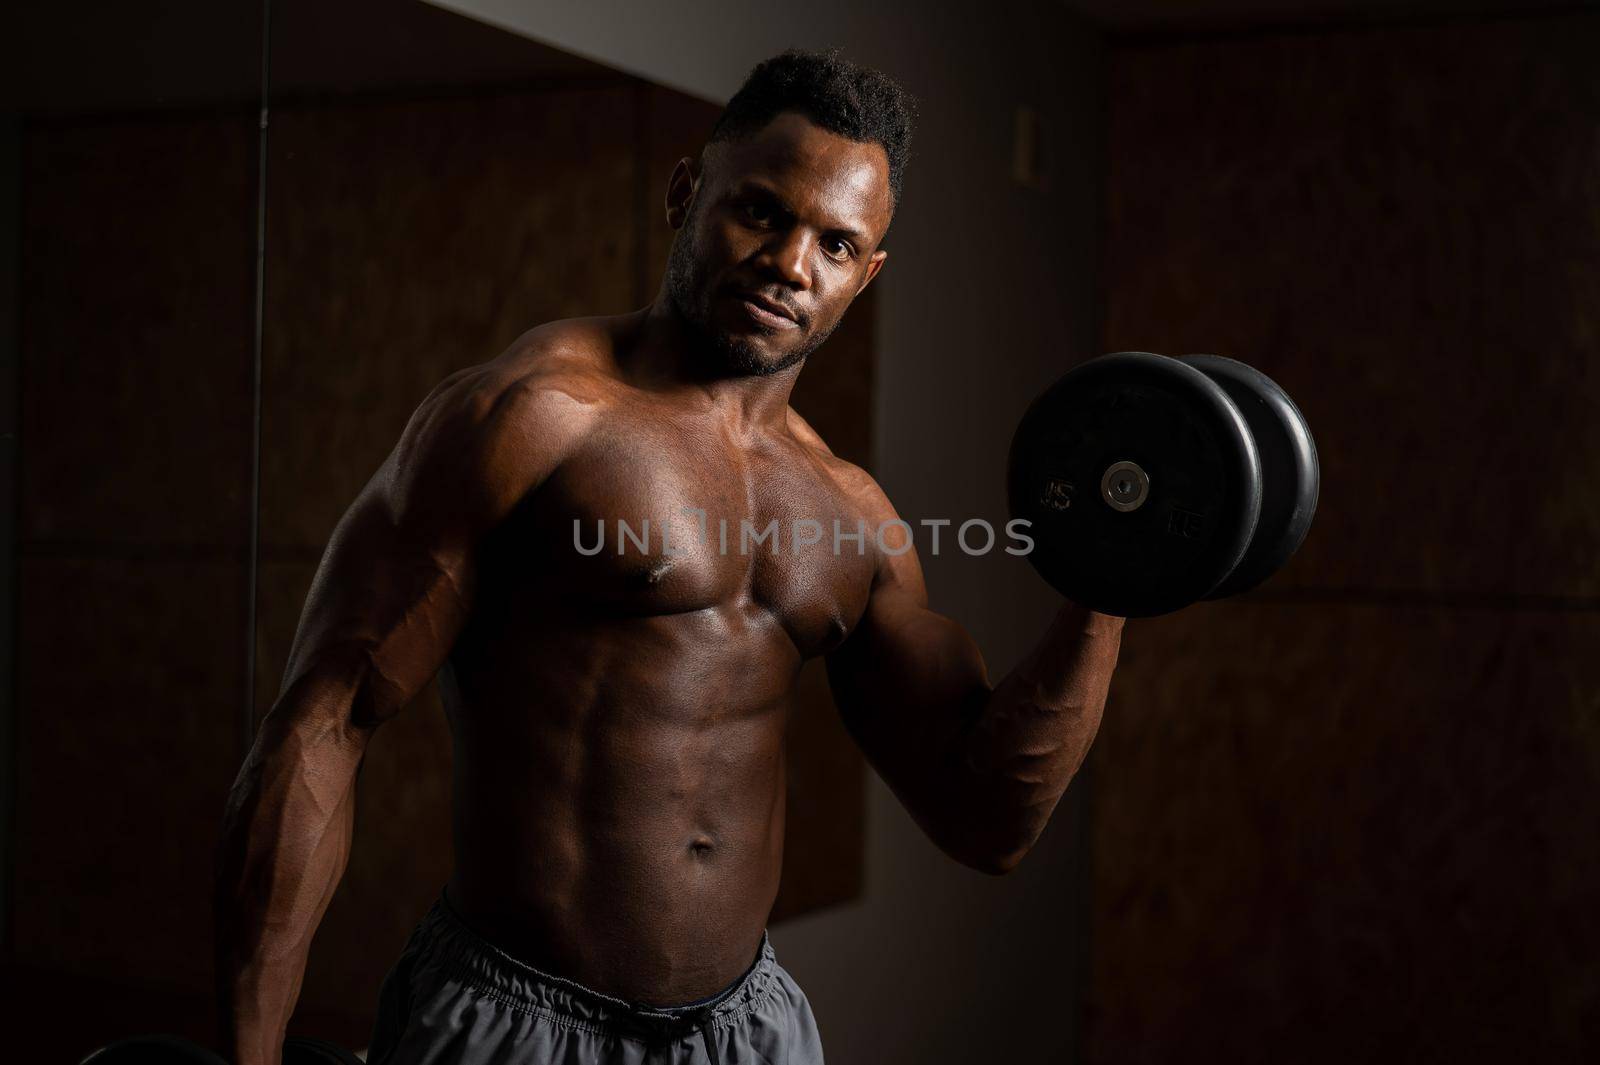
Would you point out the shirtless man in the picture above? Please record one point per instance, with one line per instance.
(619, 716)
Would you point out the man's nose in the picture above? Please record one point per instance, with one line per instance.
(787, 257)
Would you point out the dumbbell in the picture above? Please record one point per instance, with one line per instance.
(175, 1050)
(1151, 483)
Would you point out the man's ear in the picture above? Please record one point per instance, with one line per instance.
(874, 264)
(681, 188)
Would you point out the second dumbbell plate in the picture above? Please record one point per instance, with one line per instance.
(1290, 475)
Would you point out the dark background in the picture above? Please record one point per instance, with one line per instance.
(1362, 804)
(1350, 815)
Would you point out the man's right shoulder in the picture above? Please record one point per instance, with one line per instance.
(512, 420)
(552, 379)
(549, 367)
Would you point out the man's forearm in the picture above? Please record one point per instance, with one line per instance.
(285, 843)
(1010, 762)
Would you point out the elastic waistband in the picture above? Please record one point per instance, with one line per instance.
(445, 937)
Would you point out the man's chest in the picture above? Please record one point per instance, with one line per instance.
(663, 519)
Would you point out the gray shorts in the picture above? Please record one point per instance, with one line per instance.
(454, 999)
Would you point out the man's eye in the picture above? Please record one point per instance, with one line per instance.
(838, 249)
(758, 212)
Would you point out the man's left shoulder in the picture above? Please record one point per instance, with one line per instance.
(854, 484)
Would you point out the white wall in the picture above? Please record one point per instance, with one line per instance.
(989, 293)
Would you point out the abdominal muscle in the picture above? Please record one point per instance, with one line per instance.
(619, 800)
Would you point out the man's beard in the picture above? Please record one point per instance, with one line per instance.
(725, 354)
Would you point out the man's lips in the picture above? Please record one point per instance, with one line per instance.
(767, 310)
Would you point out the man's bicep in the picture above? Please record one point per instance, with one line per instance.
(905, 682)
(383, 610)
(905, 675)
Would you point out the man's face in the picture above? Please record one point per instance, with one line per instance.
(775, 238)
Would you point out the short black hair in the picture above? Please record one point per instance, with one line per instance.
(853, 101)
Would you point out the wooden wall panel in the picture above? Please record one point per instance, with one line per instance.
(133, 529)
(1351, 818)
(137, 238)
(131, 671)
(1403, 228)
(1354, 832)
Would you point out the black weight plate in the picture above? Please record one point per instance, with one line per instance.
(304, 1050)
(153, 1050)
(1290, 475)
(1202, 500)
